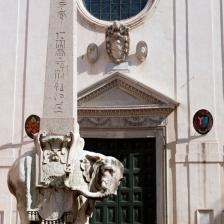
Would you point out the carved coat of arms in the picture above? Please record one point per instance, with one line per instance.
(117, 42)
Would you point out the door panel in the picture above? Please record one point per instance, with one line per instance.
(136, 199)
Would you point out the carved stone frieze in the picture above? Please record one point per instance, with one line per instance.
(120, 122)
(117, 42)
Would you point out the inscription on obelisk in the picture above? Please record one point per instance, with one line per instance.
(58, 125)
(60, 106)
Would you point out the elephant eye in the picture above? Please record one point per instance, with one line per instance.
(109, 169)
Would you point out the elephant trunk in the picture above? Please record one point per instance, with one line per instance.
(93, 195)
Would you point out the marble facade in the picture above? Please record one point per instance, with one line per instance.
(184, 66)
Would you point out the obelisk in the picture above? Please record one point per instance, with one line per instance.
(60, 92)
(59, 120)
(55, 148)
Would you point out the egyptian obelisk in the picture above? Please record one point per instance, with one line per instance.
(60, 92)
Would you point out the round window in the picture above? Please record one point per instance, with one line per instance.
(111, 10)
(102, 12)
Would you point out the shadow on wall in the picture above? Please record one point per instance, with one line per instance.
(83, 65)
(100, 66)
(11, 146)
(214, 213)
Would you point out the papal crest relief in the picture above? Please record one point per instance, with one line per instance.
(117, 42)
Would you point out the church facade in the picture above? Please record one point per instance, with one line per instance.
(150, 87)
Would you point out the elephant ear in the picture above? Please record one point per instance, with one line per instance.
(87, 165)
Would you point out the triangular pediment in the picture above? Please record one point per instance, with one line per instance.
(120, 102)
(119, 91)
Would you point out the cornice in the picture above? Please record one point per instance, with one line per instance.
(128, 85)
(123, 112)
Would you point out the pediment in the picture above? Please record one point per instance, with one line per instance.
(114, 95)
(121, 96)
(119, 91)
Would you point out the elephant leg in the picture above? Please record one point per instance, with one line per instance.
(22, 212)
(22, 203)
(85, 212)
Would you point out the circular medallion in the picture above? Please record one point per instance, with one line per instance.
(32, 125)
(203, 121)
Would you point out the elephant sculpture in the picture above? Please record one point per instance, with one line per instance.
(59, 182)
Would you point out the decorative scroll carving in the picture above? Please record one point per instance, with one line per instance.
(117, 42)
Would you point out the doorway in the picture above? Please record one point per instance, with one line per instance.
(135, 202)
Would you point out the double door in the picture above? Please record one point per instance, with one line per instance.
(135, 202)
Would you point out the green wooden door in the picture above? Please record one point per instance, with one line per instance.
(136, 199)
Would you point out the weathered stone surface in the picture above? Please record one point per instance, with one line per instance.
(141, 51)
(117, 42)
(60, 81)
(69, 198)
(92, 53)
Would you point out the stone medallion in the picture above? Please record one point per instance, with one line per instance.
(117, 42)
(32, 125)
(92, 53)
(141, 50)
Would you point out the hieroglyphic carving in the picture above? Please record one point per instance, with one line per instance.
(62, 10)
(59, 69)
(60, 60)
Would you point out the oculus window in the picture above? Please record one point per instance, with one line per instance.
(111, 10)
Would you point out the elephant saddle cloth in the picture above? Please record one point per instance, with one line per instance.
(55, 204)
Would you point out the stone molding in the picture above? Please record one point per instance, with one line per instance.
(129, 85)
(120, 122)
(119, 112)
(131, 23)
(152, 110)
(212, 153)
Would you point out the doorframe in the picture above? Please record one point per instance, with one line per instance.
(159, 133)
